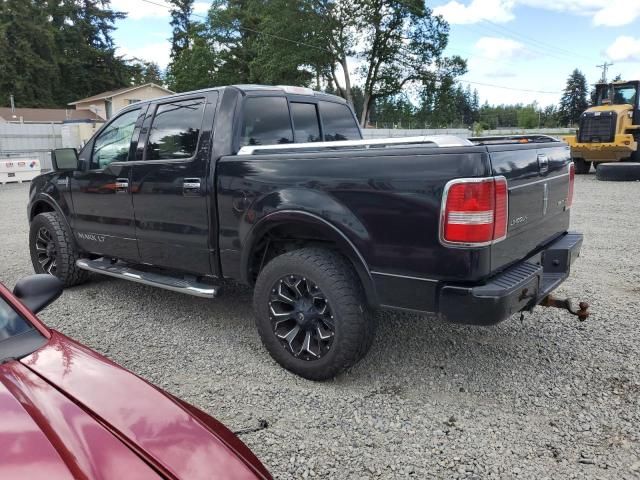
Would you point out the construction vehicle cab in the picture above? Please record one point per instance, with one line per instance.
(610, 130)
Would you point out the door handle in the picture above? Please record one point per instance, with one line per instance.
(122, 185)
(543, 163)
(191, 186)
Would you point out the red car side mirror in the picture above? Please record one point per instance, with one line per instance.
(38, 291)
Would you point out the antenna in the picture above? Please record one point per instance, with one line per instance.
(605, 66)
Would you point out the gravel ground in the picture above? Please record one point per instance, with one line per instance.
(548, 397)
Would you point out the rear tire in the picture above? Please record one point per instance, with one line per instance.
(311, 313)
(619, 172)
(582, 166)
(53, 250)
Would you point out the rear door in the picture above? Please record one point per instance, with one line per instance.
(171, 186)
(102, 217)
(538, 180)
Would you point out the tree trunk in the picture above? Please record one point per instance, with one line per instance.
(347, 81)
(366, 107)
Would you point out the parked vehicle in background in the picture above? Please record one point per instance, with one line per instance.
(69, 413)
(610, 130)
(274, 188)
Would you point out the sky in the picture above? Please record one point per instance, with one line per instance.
(518, 51)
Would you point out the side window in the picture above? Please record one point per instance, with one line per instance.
(266, 121)
(338, 122)
(305, 122)
(113, 143)
(175, 130)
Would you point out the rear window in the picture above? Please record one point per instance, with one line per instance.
(305, 122)
(175, 130)
(266, 121)
(338, 122)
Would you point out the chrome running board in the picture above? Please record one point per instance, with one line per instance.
(126, 272)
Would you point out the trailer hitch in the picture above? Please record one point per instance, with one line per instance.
(581, 310)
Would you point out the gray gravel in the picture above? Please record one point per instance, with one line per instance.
(548, 397)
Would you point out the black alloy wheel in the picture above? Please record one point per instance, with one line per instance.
(301, 317)
(312, 314)
(53, 249)
(46, 253)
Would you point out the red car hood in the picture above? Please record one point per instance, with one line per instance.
(66, 412)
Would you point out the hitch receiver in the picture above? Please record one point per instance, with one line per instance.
(569, 304)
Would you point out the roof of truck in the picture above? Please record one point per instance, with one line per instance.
(288, 89)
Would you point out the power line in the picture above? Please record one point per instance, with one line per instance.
(507, 88)
(544, 45)
(295, 42)
(299, 43)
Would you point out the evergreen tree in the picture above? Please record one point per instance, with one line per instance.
(85, 50)
(53, 52)
(195, 67)
(145, 72)
(28, 69)
(575, 98)
(181, 11)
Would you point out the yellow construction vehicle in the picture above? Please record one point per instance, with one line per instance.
(610, 130)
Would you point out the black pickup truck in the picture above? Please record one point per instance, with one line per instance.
(274, 187)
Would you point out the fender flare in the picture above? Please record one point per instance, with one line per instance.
(47, 199)
(345, 245)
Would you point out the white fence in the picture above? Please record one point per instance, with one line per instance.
(460, 132)
(405, 132)
(30, 141)
(35, 141)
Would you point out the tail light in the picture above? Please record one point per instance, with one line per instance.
(572, 178)
(474, 211)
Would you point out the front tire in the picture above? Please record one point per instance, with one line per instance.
(53, 250)
(582, 166)
(311, 313)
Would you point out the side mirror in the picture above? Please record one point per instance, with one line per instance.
(64, 159)
(38, 291)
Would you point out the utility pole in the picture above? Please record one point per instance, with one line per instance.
(605, 66)
(13, 103)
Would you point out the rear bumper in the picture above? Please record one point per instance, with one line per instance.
(518, 288)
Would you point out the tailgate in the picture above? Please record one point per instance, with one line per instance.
(538, 180)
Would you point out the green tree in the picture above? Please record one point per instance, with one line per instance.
(143, 72)
(28, 67)
(574, 100)
(53, 52)
(85, 52)
(195, 67)
(234, 24)
(400, 43)
(181, 11)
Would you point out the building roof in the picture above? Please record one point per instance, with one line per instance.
(113, 93)
(47, 115)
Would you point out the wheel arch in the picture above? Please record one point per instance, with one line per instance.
(44, 203)
(299, 223)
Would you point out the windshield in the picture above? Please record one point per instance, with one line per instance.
(619, 94)
(11, 324)
(17, 336)
(624, 94)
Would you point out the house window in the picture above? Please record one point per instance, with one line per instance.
(132, 100)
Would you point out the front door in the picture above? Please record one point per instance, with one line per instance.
(170, 185)
(102, 219)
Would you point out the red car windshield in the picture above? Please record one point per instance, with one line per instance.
(11, 323)
(17, 336)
